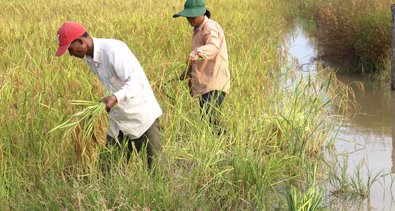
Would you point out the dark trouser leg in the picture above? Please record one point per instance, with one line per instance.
(210, 104)
(152, 136)
(118, 144)
(149, 140)
(110, 155)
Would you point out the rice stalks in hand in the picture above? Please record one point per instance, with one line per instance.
(86, 130)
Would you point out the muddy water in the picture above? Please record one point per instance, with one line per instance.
(365, 139)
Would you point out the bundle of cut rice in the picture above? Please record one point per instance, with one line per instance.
(86, 130)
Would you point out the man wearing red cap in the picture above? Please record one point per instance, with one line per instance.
(133, 109)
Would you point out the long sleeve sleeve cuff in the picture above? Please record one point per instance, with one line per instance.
(120, 95)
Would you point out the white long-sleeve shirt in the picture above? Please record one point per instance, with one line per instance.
(121, 74)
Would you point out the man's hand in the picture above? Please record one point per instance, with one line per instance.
(186, 73)
(193, 57)
(110, 101)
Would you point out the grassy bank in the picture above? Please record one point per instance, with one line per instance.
(273, 134)
(354, 33)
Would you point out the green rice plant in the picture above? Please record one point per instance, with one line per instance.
(352, 185)
(310, 200)
(342, 95)
(298, 116)
(3, 178)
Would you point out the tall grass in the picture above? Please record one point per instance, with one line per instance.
(354, 34)
(310, 199)
(273, 130)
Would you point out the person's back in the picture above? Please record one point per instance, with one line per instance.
(212, 73)
(137, 107)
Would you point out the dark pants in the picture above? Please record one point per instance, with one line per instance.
(210, 104)
(149, 140)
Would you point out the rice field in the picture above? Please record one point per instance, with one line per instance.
(353, 34)
(267, 160)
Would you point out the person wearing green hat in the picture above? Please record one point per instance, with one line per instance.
(208, 68)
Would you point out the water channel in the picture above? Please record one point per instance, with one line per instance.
(364, 140)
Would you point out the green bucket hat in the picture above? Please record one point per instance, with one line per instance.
(192, 8)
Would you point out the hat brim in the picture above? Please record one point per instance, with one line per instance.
(62, 49)
(191, 12)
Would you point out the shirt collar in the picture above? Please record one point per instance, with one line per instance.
(200, 27)
(96, 52)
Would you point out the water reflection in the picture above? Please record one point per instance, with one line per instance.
(373, 115)
(366, 137)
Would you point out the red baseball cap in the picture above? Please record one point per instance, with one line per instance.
(67, 33)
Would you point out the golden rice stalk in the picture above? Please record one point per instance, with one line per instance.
(86, 129)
